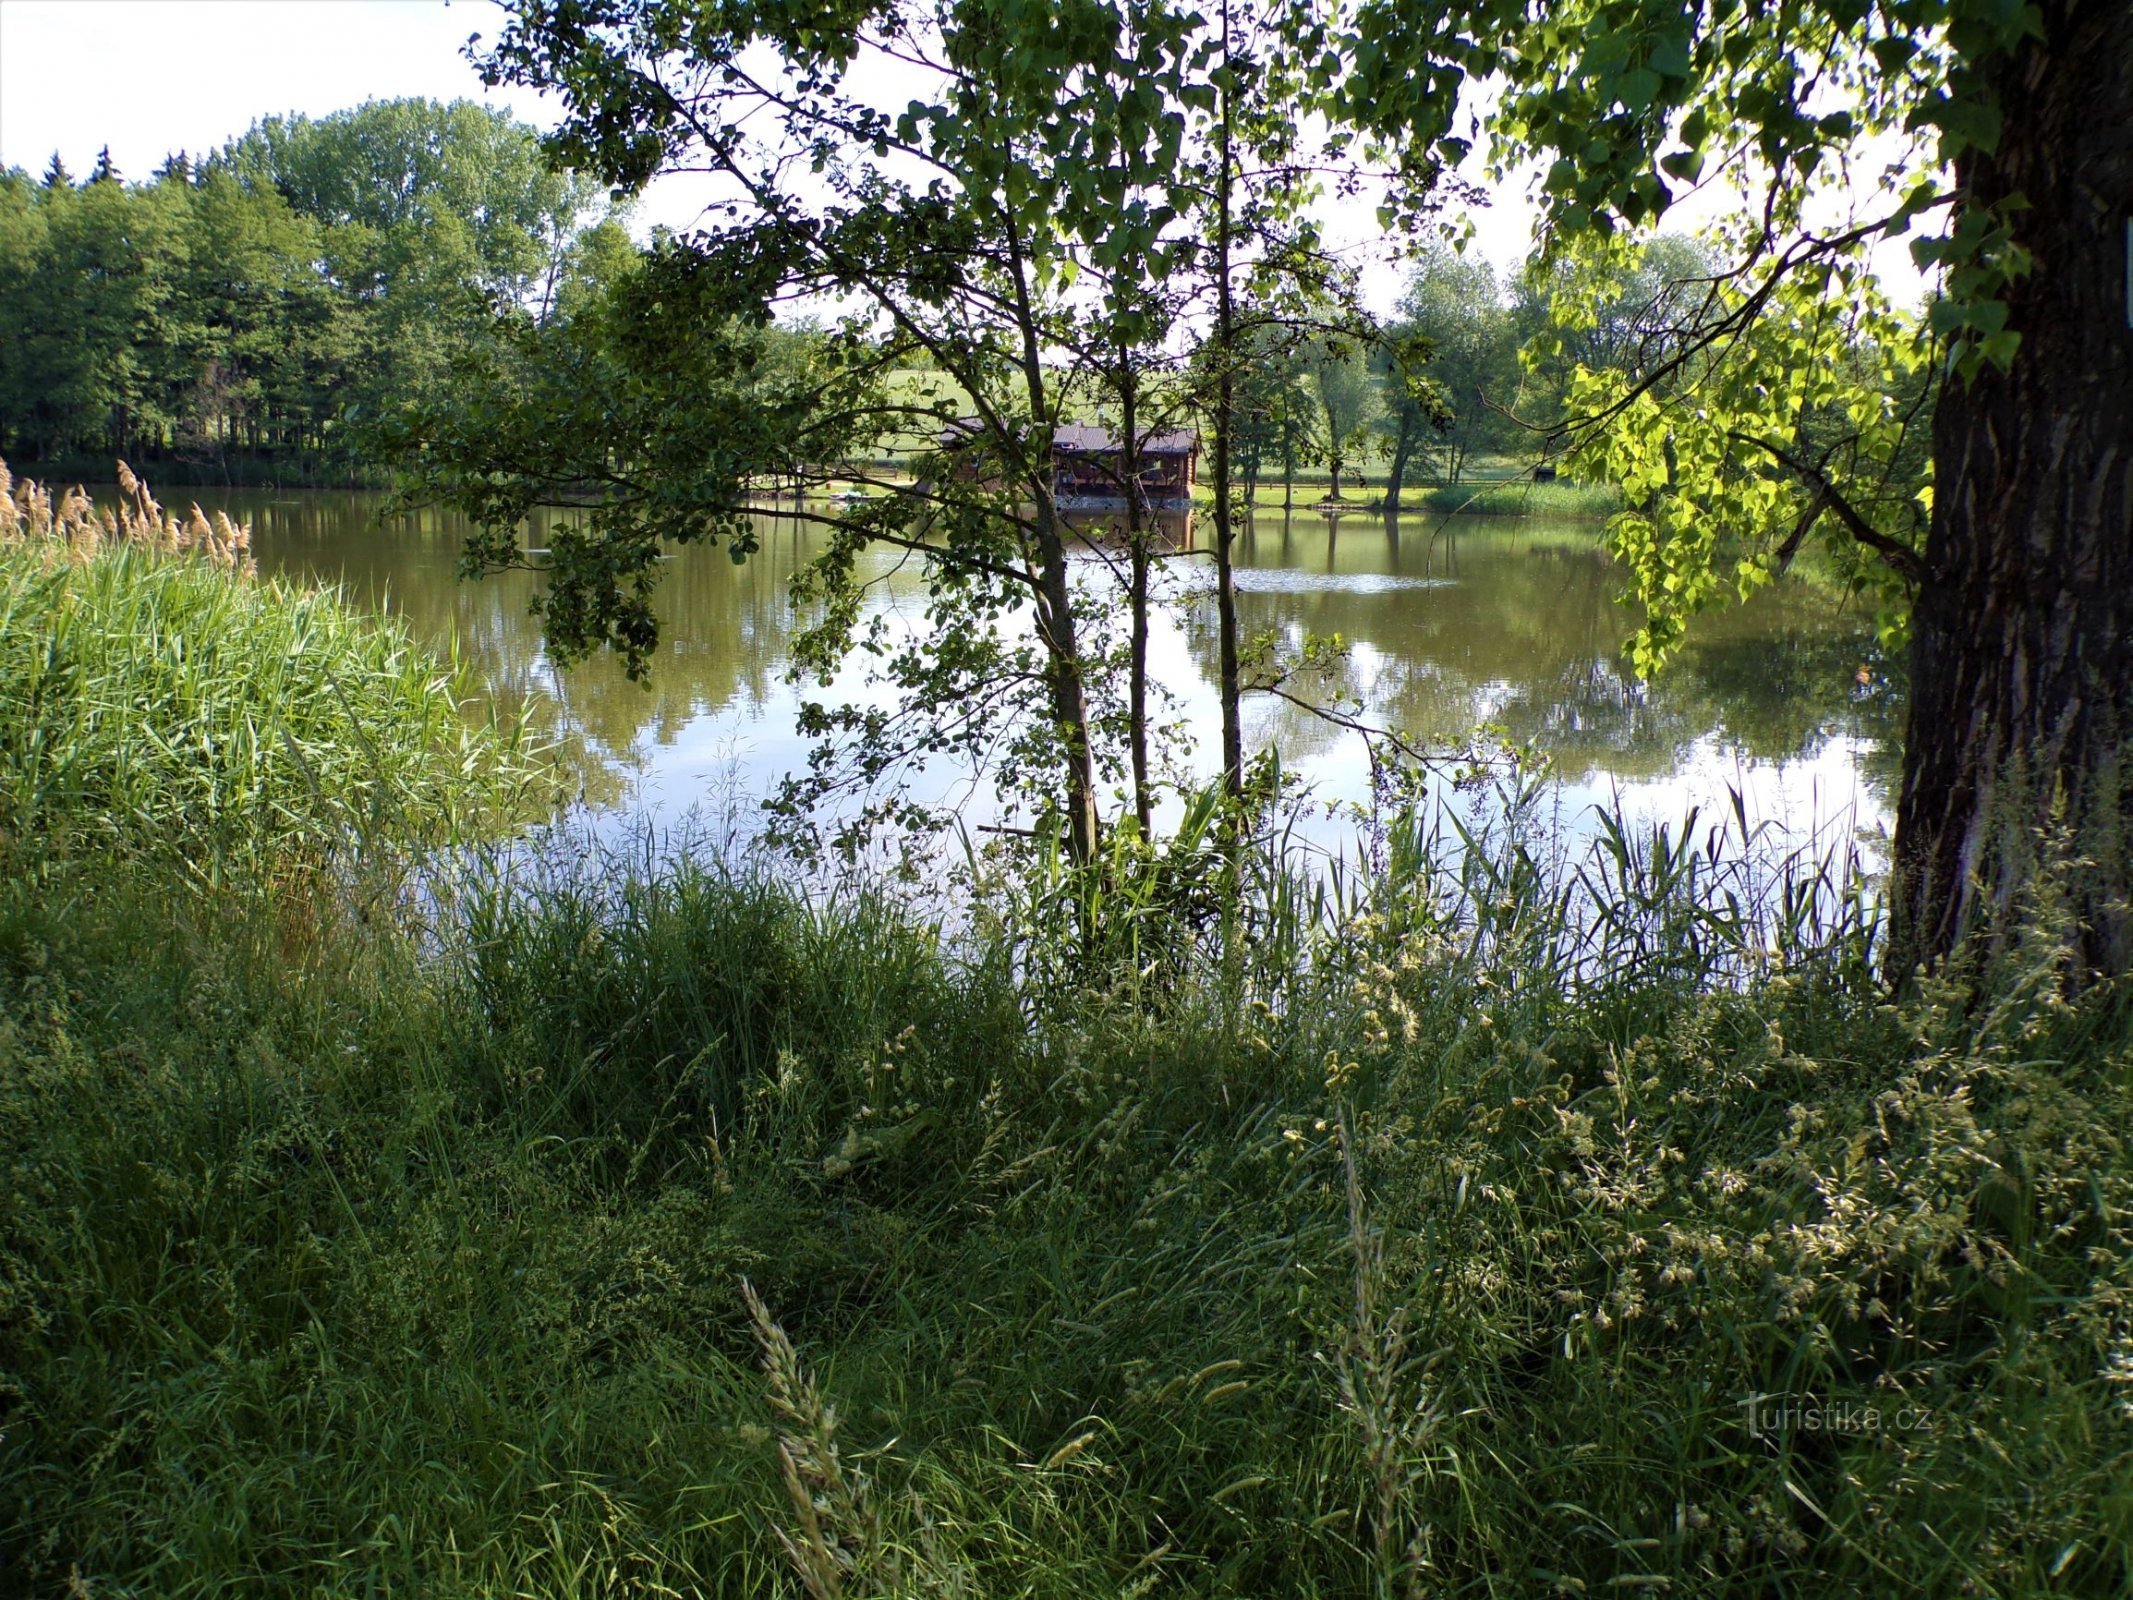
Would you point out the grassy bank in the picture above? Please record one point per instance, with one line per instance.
(341, 1259)
(1537, 1231)
(1521, 499)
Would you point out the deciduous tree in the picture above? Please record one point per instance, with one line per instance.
(1449, 399)
(1998, 137)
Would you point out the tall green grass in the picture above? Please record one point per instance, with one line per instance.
(1437, 1242)
(165, 702)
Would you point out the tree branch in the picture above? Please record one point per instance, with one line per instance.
(1898, 556)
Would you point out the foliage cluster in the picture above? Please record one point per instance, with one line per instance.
(230, 318)
(646, 413)
(1808, 431)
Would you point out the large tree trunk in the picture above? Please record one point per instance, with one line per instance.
(2022, 665)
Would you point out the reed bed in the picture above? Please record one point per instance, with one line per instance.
(161, 697)
(73, 525)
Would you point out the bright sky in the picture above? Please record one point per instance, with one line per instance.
(148, 77)
(151, 76)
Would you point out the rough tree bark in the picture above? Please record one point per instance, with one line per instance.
(2022, 664)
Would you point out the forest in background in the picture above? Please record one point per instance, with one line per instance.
(246, 316)
(237, 317)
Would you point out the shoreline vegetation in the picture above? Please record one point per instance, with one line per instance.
(163, 698)
(1475, 497)
(1481, 1222)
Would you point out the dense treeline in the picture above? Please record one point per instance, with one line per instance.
(238, 317)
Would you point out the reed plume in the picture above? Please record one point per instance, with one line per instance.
(77, 527)
(834, 1544)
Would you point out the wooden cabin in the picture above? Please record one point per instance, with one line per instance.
(1089, 469)
(1089, 465)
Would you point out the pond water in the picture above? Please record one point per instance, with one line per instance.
(1450, 624)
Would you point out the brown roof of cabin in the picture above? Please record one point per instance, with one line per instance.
(1088, 440)
(1085, 439)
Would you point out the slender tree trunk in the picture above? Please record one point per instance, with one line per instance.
(2022, 656)
(1070, 704)
(1137, 556)
(1231, 685)
(1396, 474)
(1055, 619)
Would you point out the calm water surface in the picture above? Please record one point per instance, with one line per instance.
(1450, 623)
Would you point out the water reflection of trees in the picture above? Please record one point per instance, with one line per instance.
(1519, 630)
(1451, 623)
(723, 644)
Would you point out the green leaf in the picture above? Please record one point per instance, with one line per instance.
(1637, 89)
(1893, 52)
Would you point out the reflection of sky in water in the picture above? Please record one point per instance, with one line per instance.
(1447, 626)
(1283, 580)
